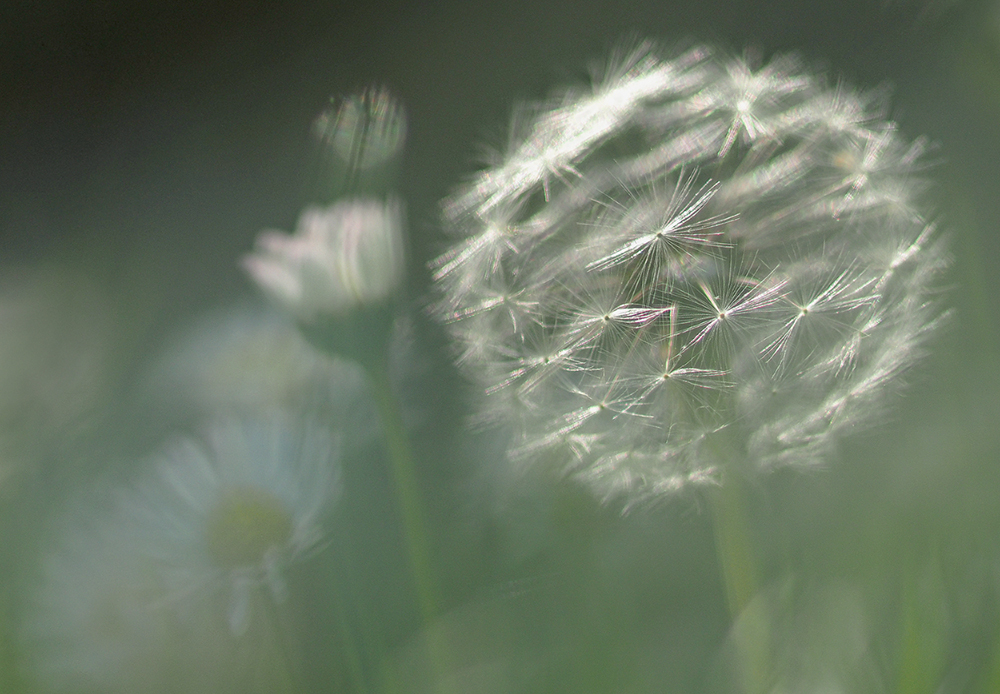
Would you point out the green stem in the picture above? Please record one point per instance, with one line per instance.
(280, 639)
(989, 677)
(733, 545)
(411, 506)
(734, 549)
(352, 654)
(407, 490)
(8, 664)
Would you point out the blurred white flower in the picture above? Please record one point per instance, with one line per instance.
(341, 258)
(818, 637)
(228, 515)
(100, 620)
(249, 360)
(177, 583)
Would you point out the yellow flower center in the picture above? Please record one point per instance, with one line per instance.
(244, 525)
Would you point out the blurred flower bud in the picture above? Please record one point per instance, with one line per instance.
(363, 136)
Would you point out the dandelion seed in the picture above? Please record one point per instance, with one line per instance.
(678, 235)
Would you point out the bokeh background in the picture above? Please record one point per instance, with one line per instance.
(143, 145)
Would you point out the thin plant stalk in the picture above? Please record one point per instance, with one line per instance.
(286, 644)
(741, 580)
(411, 507)
(406, 488)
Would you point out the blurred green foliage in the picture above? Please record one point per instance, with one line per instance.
(145, 157)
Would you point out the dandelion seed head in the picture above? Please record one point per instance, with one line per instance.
(708, 263)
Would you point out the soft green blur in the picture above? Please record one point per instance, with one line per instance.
(879, 572)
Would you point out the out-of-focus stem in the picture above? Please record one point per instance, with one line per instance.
(277, 636)
(352, 655)
(414, 525)
(733, 545)
(407, 490)
(734, 549)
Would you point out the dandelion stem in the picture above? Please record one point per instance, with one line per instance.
(734, 549)
(733, 545)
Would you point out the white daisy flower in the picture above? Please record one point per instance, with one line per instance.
(151, 588)
(340, 259)
(225, 517)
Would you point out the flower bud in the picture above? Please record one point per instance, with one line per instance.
(362, 137)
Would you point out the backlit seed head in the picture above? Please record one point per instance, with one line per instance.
(699, 264)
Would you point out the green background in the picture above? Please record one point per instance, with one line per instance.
(143, 145)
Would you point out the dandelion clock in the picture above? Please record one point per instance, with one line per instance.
(698, 266)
